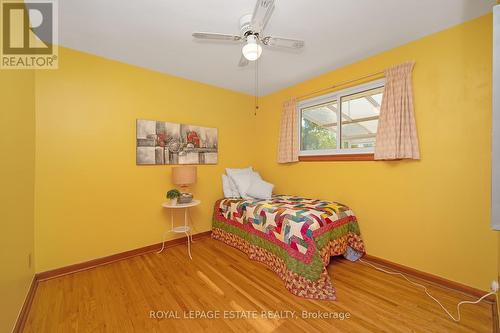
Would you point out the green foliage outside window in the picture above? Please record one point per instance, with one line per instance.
(315, 137)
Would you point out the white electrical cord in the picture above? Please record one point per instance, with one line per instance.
(428, 294)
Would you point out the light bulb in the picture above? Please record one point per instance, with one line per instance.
(251, 50)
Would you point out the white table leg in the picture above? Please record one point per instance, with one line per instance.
(187, 228)
(163, 242)
(165, 234)
(189, 246)
(190, 221)
(172, 219)
(187, 234)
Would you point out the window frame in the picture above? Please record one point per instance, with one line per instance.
(341, 154)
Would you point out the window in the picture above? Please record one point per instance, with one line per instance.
(343, 123)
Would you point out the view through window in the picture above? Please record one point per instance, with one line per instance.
(326, 129)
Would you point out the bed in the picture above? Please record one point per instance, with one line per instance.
(295, 237)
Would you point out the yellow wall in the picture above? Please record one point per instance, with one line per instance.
(91, 198)
(17, 170)
(432, 215)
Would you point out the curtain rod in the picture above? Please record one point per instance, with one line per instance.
(340, 84)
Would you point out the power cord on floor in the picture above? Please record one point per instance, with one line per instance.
(428, 294)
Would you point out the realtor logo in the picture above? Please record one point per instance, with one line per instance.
(29, 34)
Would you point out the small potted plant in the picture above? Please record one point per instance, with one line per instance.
(173, 194)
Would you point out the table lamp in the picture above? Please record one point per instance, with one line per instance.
(184, 176)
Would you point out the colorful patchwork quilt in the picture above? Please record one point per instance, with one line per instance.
(293, 236)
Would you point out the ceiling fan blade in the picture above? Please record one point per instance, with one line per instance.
(243, 61)
(283, 42)
(262, 14)
(216, 36)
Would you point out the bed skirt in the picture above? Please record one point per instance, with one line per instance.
(320, 288)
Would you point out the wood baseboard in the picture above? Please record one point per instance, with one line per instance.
(442, 282)
(114, 257)
(430, 278)
(23, 314)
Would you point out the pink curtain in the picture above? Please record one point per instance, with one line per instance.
(288, 144)
(397, 132)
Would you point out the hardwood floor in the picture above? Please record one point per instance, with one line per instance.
(120, 297)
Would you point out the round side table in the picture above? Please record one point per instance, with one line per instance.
(183, 229)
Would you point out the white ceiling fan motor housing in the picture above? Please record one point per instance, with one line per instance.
(246, 24)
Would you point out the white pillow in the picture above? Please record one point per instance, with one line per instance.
(260, 189)
(231, 172)
(243, 181)
(233, 187)
(229, 188)
(232, 184)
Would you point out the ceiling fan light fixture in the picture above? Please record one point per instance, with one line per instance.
(251, 50)
(252, 34)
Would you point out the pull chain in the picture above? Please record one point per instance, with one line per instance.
(256, 86)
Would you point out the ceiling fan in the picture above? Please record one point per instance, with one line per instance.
(252, 34)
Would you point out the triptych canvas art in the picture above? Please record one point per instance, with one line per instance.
(160, 142)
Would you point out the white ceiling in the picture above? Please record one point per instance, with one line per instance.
(156, 34)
